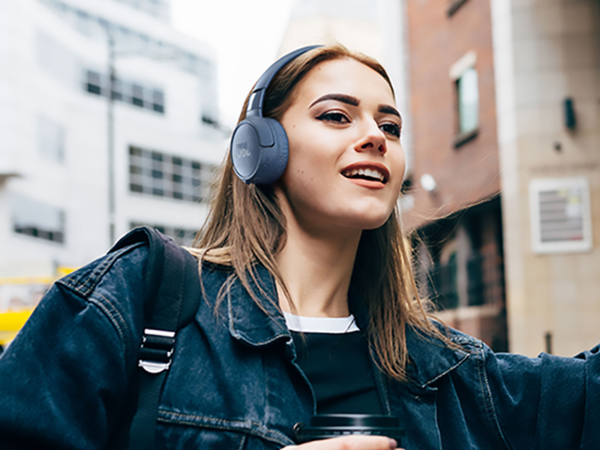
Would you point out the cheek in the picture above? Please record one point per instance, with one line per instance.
(399, 167)
(300, 164)
(300, 171)
(309, 158)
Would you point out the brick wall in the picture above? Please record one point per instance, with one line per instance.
(469, 173)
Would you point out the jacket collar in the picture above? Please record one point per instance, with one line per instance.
(430, 358)
(249, 322)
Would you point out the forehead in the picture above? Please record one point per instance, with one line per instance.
(345, 76)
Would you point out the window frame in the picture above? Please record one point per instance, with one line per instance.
(464, 65)
(173, 177)
(21, 226)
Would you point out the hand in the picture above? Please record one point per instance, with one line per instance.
(348, 443)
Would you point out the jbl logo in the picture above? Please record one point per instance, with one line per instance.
(241, 150)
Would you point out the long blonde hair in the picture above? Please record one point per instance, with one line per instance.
(246, 226)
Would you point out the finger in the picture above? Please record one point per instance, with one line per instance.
(348, 443)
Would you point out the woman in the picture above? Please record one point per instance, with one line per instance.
(309, 306)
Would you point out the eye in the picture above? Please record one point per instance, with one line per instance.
(334, 116)
(391, 128)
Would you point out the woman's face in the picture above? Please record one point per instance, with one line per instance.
(346, 164)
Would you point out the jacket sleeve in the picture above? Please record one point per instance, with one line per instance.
(545, 402)
(64, 379)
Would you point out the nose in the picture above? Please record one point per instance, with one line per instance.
(373, 139)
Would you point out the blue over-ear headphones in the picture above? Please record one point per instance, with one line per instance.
(259, 145)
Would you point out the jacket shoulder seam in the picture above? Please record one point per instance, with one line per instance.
(490, 407)
(115, 318)
(92, 280)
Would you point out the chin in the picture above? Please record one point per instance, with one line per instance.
(377, 217)
(370, 222)
(376, 225)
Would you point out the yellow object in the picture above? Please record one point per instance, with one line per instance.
(10, 324)
(19, 296)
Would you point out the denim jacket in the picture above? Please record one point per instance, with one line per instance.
(65, 381)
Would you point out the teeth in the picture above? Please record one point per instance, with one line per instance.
(372, 173)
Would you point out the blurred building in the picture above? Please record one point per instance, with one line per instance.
(504, 98)
(63, 118)
(547, 70)
(459, 248)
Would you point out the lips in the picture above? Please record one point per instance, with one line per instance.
(373, 172)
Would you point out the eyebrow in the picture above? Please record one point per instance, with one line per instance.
(388, 110)
(353, 101)
(349, 100)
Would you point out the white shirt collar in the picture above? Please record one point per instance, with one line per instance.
(329, 325)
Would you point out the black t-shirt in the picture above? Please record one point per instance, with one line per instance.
(337, 364)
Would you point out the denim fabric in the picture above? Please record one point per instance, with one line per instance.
(65, 382)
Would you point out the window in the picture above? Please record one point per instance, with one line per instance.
(161, 175)
(158, 101)
(93, 83)
(468, 101)
(38, 220)
(560, 215)
(464, 76)
(181, 235)
(129, 39)
(137, 95)
(133, 93)
(51, 138)
(443, 287)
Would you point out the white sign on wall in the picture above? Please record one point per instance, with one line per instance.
(560, 215)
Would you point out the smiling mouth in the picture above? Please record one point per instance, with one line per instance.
(364, 173)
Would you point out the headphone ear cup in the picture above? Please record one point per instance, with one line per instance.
(278, 155)
(259, 150)
(259, 145)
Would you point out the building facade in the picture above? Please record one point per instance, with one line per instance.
(108, 121)
(503, 193)
(547, 70)
(451, 195)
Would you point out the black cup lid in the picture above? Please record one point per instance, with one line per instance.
(354, 420)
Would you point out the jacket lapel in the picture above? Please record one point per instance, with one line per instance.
(255, 324)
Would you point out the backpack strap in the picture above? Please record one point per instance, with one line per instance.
(171, 299)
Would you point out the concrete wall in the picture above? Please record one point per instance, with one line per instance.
(544, 52)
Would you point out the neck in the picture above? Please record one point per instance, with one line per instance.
(316, 269)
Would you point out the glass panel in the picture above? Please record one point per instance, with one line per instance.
(160, 174)
(137, 97)
(468, 101)
(93, 84)
(37, 219)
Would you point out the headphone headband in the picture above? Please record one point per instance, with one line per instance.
(257, 98)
